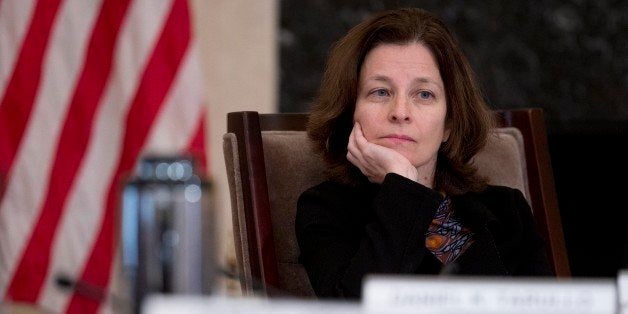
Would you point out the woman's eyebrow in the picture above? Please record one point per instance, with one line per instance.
(427, 80)
(380, 78)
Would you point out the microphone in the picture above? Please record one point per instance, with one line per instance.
(93, 292)
(124, 305)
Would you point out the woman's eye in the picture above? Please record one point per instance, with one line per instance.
(425, 95)
(380, 92)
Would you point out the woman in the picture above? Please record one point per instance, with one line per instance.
(397, 119)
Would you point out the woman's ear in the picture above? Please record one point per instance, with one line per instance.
(448, 127)
(446, 135)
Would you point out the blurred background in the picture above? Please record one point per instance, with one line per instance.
(568, 57)
(141, 76)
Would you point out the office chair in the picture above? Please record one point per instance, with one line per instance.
(270, 163)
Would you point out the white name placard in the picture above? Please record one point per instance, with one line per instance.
(405, 294)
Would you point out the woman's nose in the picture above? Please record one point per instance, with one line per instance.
(399, 111)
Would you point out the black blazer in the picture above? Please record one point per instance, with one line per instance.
(347, 232)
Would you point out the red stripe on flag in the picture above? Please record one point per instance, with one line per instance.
(33, 267)
(197, 148)
(19, 96)
(156, 81)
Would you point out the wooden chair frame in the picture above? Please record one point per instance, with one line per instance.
(247, 127)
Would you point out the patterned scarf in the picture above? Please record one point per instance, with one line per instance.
(446, 237)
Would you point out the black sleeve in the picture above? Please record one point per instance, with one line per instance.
(534, 261)
(336, 254)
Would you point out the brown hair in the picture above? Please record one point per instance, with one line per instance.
(468, 118)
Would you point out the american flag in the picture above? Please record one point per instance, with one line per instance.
(86, 88)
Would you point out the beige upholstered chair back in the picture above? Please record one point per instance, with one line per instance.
(292, 167)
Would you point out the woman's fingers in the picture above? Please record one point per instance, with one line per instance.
(374, 161)
(359, 164)
(351, 146)
(354, 155)
(358, 154)
(354, 160)
(359, 138)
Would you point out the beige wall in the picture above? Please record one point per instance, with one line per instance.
(237, 40)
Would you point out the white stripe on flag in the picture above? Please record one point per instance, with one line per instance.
(29, 176)
(15, 17)
(179, 117)
(86, 201)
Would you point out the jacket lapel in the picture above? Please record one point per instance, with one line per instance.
(483, 256)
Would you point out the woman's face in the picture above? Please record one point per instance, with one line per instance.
(401, 102)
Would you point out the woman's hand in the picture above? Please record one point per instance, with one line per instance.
(375, 161)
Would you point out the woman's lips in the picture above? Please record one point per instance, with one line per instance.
(398, 138)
